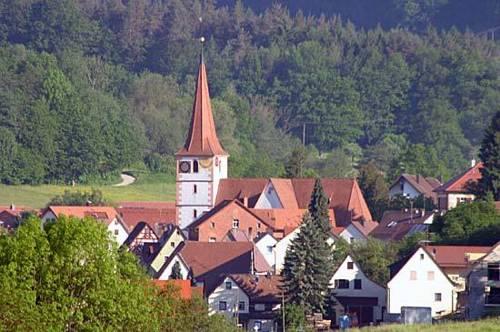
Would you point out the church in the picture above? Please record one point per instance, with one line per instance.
(212, 207)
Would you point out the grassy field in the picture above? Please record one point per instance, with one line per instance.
(155, 187)
(485, 325)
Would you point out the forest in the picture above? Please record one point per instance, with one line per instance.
(88, 88)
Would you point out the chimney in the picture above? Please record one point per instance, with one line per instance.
(12, 207)
(245, 201)
(418, 178)
(473, 163)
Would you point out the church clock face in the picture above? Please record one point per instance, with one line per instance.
(184, 166)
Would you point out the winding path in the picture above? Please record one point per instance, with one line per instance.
(126, 180)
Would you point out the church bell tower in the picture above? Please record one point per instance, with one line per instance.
(202, 161)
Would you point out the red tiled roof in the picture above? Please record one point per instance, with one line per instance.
(396, 224)
(461, 183)
(102, 213)
(184, 288)
(202, 138)
(152, 216)
(260, 289)
(453, 255)
(240, 189)
(203, 257)
(284, 189)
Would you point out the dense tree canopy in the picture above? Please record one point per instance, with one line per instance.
(88, 88)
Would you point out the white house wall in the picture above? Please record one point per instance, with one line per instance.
(263, 245)
(351, 234)
(368, 287)
(403, 292)
(168, 270)
(231, 296)
(408, 190)
(282, 246)
(118, 232)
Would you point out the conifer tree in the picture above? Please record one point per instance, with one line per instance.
(490, 156)
(308, 261)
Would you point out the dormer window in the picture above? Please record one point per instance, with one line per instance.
(195, 166)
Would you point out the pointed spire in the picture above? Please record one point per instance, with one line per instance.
(202, 137)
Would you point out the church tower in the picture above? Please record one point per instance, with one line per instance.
(202, 161)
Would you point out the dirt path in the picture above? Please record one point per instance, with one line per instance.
(126, 180)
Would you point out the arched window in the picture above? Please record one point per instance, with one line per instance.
(195, 166)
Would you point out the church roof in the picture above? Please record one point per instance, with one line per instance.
(202, 137)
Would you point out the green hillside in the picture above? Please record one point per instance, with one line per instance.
(147, 188)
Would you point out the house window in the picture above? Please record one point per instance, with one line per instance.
(437, 297)
(430, 275)
(260, 307)
(357, 283)
(402, 185)
(195, 213)
(172, 244)
(117, 232)
(211, 239)
(413, 275)
(213, 224)
(421, 256)
(352, 239)
(195, 189)
(494, 272)
(350, 265)
(195, 166)
(258, 225)
(222, 305)
(241, 306)
(269, 249)
(229, 285)
(341, 283)
(236, 223)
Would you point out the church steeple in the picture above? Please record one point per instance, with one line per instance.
(202, 137)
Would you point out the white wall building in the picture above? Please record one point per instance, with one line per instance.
(266, 246)
(417, 281)
(356, 293)
(228, 299)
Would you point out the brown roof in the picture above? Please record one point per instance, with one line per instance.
(462, 182)
(202, 138)
(240, 189)
(204, 257)
(396, 224)
(260, 289)
(147, 205)
(422, 184)
(152, 216)
(453, 255)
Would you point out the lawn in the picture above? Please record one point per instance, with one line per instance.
(485, 325)
(148, 187)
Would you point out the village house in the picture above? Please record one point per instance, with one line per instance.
(11, 216)
(354, 293)
(418, 281)
(253, 301)
(104, 214)
(158, 215)
(413, 186)
(397, 224)
(154, 254)
(459, 189)
(483, 286)
(139, 237)
(265, 244)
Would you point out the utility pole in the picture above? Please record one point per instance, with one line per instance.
(304, 134)
(283, 308)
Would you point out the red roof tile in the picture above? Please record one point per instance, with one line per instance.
(259, 289)
(422, 184)
(284, 189)
(183, 287)
(240, 189)
(152, 216)
(453, 255)
(105, 214)
(147, 205)
(397, 224)
(462, 182)
(202, 138)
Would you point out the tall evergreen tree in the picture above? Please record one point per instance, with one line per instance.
(308, 261)
(490, 155)
(294, 167)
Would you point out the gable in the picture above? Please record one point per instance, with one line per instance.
(166, 271)
(343, 272)
(269, 198)
(420, 266)
(167, 249)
